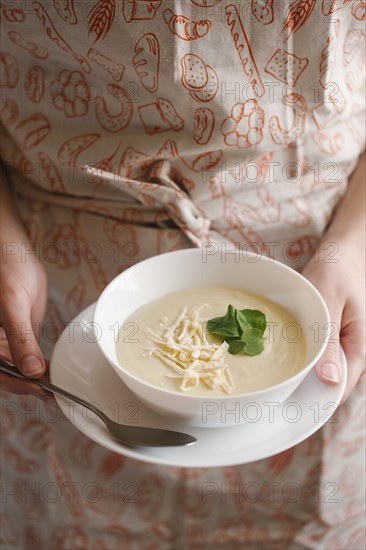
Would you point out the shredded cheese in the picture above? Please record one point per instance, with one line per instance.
(184, 348)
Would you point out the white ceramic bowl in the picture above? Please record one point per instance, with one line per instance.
(160, 275)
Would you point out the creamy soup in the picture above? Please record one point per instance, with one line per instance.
(283, 356)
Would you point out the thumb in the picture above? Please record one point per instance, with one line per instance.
(24, 348)
(329, 367)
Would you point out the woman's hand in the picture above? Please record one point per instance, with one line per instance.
(342, 282)
(342, 285)
(22, 306)
(23, 296)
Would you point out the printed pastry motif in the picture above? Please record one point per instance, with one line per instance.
(354, 58)
(185, 28)
(244, 50)
(204, 161)
(283, 136)
(114, 122)
(359, 10)
(65, 9)
(37, 51)
(9, 111)
(33, 130)
(244, 128)
(198, 78)
(160, 116)
(55, 36)
(168, 150)
(12, 15)
(34, 83)
(203, 125)
(354, 44)
(9, 71)
(70, 93)
(133, 163)
(140, 10)
(147, 60)
(263, 11)
(286, 67)
(74, 146)
(116, 70)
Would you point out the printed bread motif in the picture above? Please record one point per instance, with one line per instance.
(185, 28)
(354, 44)
(244, 50)
(65, 9)
(244, 128)
(39, 52)
(72, 147)
(263, 11)
(116, 70)
(197, 77)
(283, 136)
(133, 163)
(160, 116)
(168, 150)
(34, 83)
(194, 73)
(147, 60)
(32, 130)
(204, 122)
(54, 35)
(286, 67)
(209, 91)
(9, 111)
(11, 14)
(204, 161)
(9, 71)
(114, 122)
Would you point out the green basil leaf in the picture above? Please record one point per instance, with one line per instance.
(227, 326)
(242, 329)
(255, 318)
(235, 346)
(254, 348)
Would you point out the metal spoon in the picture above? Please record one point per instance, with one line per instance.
(128, 435)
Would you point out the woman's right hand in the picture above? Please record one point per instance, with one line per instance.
(23, 297)
(22, 306)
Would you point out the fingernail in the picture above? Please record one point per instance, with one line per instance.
(330, 372)
(31, 365)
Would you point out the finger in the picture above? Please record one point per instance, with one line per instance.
(329, 367)
(354, 348)
(23, 345)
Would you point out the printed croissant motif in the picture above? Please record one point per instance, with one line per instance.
(185, 28)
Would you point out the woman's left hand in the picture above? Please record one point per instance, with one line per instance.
(341, 282)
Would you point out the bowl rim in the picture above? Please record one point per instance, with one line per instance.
(183, 395)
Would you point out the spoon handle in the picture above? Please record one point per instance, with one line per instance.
(11, 369)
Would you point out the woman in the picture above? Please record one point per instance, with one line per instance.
(135, 128)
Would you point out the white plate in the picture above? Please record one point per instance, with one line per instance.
(78, 366)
